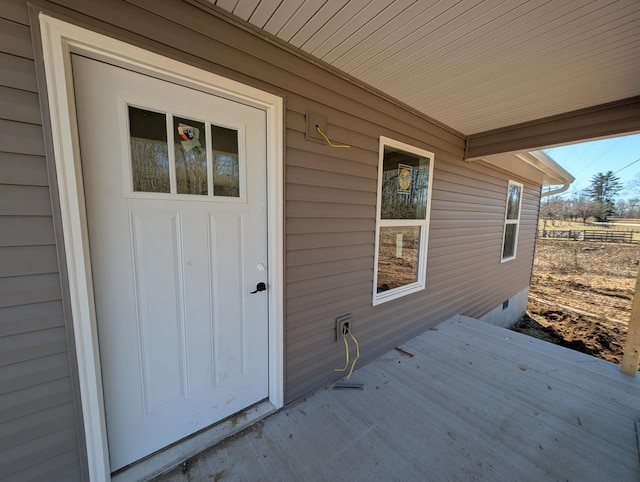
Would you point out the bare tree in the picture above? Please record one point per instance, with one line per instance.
(585, 208)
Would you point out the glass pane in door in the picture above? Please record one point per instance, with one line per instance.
(226, 164)
(149, 151)
(191, 159)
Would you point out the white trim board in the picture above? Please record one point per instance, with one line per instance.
(59, 39)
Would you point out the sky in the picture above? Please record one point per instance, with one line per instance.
(619, 154)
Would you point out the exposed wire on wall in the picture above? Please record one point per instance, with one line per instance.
(346, 332)
(346, 350)
(337, 146)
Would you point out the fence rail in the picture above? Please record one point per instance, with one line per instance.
(588, 235)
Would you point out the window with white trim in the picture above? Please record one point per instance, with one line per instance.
(511, 221)
(405, 175)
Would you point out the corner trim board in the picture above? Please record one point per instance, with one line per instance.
(59, 39)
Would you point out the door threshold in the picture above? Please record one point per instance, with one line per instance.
(168, 458)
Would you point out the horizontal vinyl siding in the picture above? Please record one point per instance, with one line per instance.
(330, 198)
(38, 433)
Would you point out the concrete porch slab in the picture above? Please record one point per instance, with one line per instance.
(467, 401)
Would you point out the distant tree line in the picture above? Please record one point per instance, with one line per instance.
(598, 201)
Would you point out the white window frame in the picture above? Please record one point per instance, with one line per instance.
(420, 284)
(507, 222)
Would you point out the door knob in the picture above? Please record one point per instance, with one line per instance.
(259, 287)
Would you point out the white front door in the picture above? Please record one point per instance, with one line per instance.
(175, 189)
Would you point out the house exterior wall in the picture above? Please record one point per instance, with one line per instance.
(38, 430)
(330, 213)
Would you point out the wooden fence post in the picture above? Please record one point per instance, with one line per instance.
(631, 354)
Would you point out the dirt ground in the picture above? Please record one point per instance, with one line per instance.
(581, 294)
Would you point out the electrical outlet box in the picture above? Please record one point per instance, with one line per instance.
(314, 119)
(343, 323)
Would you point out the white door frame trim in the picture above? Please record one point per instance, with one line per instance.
(59, 39)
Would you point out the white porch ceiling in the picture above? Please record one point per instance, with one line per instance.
(473, 65)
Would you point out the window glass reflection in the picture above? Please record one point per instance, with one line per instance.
(513, 202)
(405, 185)
(509, 248)
(191, 159)
(149, 150)
(398, 256)
(226, 165)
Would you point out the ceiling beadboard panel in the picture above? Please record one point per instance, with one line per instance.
(474, 65)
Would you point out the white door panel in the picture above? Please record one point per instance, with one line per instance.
(182, 342)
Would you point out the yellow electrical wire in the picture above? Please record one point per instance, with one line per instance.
(357, 352)
(346, 332)
(337, 146)
(346, 349)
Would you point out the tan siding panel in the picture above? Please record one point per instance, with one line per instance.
(15, 39)
(26, 231)
(298, 175)
(302, 209)
(468, 174)
(452, 200)
(444, 223)
(322, 298)
(464, 231)
(22, 290)
(35, 425)
(32, 317)
(33, 399)
(323, 162)
(19, 105)
(300, 192)
(452, 212)
(20, 261)
(332, 225)
(495, 202)
(310, 241)
(462, 242)
(34, 372)
(296, 140)
(483, 191)
(46, 447)
(314, 271)
(64, 467)
(14, 10)
(323, 255)
(322, 318)
(21, 138)
(38, 432)
(303, 288)
(27, 346)
(24, 201)
(17, 72)
(23, 170)
(460, 266)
